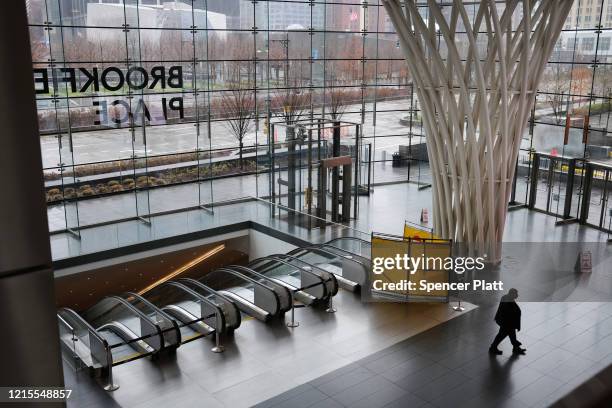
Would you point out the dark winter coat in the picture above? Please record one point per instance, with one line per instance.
(508, 314)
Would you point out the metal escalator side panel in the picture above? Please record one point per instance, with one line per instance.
(248, 307)
(150, 332)
(122, 350)
(233, 318)
(128, 336)
(264, 296)
(210, 313)
(116, 308)
(169, 328)
(328, 277)
(331, 262)
(173, 293)
(314, 285)
(283, 292)
(189, 321)
(310, 283)
(354, 269)
(99, 351)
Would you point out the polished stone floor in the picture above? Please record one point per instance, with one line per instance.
(448, 365)
(262, 360)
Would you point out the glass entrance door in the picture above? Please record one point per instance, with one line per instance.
(597, 202)
(556, 185)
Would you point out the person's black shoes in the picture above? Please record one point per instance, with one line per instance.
(495, 351)
(518, 350)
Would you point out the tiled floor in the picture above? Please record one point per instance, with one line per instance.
(262, 360)
(448, 365)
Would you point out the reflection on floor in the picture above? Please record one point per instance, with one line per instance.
(262, 360)
(448, 365)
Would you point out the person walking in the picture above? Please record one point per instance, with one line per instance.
(508, 317)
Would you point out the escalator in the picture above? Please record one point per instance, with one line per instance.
(129, 332)
(252, 296)
(308, 287)
(83, 343)
(351, 270)
(170, 329)
(283, 291)
(329, 278)
(195, 314)
(124, 343)
(231, 313)
(123, 328)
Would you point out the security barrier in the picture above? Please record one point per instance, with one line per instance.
(409, 268)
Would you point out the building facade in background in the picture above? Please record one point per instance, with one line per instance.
(134, 146)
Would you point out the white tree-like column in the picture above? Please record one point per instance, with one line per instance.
(476, 90)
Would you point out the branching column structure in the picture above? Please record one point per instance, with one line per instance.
(476, 91)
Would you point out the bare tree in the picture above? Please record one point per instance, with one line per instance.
(555, 88)
(290, 103)
(238, 105)
(337, 102)
(556, 102)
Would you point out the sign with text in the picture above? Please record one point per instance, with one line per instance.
(101, 84)
(410, 268)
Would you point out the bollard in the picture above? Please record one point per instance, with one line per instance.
(458, 308)
(218, 347)
(111, 386)
(292, 323)
(330, 305)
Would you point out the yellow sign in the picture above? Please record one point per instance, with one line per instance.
(383, 248)
(406, 268)
(416, 233)
(434, 253)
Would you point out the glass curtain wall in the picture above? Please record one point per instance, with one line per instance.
(148, 106)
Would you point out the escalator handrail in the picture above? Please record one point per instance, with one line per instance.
(235, 295)
(203, 286)
(92, 332)
(344, 253)
(363, 241)
(244, 269)
(65, 322)
(159, 311)
(352, 238)
(360, 258)
(125, 303)
(82, 321)
(250, 280)
(332, 277)
(214, 292)
(125, 334)
(350, 257)
(187, 314)
(318, 248)
(219, 313)
(141, 315)
(272, 258)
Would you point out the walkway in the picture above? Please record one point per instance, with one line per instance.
(448, 365)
